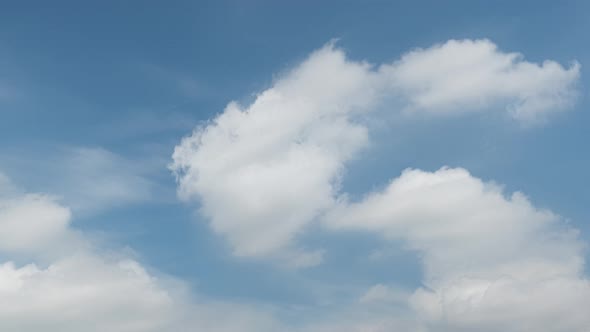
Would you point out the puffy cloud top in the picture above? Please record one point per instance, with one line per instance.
(492, 263)
(472, 75)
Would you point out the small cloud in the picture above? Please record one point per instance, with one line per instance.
(462, 76)
(384, 294)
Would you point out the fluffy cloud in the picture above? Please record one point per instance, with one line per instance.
(83, 292)
(472, 75)
(87, 289)
(33, 224)
(89, 292)
(79, 287)
(491, 262)
(264, 172)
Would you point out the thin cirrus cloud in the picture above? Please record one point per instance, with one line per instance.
(264, 172)
(122, 181)
(89, 180)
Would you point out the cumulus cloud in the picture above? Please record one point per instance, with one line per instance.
(473, 75)
(491, 262)
(88, 289)
(31, 223)
(90, 292)
(263, 172)
(82, 288)
(81, 292)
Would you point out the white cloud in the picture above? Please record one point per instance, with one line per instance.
(81, 292)
(492, 263)
(31, 223)
(91, 292)
(85, 289)
(79, 289)
(264, 172)
(471, 75)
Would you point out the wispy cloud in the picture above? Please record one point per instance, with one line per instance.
(179, 82)
(88, 180)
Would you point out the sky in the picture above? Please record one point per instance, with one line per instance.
(356, 166)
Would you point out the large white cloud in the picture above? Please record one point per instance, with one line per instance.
(263, 172)
(491, 262)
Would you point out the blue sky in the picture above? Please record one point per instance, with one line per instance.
(96, 97)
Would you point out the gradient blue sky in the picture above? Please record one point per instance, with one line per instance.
(94, 96)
